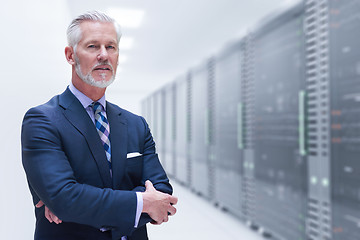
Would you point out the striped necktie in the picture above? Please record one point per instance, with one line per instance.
(103, 128)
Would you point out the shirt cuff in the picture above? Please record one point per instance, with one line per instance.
(139, 208)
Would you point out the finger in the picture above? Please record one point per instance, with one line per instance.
(55, 218)
(47, 214)
(149, 186)
(173, 200)
(39, 204)
(172, 210)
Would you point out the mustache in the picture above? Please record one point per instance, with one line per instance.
(103, 63)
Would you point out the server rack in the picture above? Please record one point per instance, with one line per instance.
(155, 116)
(318, 101)
(152, 112)
(189, 94)
(158, 130)
(144, 111)
(169, 133)
(344, 63)
(247, 99)
(199, 152)
(228, 134)
(299, 121)
(181, 139)
(279, 134)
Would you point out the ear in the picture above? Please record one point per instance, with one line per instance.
(69, 54)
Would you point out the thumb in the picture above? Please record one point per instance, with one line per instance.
(149, 186)
(173, 200)
(39, 204)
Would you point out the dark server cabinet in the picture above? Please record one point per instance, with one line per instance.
(169, 130)
(200, 131)
(280, 162)
(181, 140)
(228, 134)
(345, 118)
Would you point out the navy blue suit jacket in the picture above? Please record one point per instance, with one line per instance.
(66, 167)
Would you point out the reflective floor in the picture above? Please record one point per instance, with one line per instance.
(197, 219)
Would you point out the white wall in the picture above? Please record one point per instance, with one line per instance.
(32, 69)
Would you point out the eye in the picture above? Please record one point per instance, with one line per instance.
(91, 46)
(110, 47)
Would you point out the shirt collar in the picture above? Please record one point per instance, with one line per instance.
(85, 100)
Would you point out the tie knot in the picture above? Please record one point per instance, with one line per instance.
(96, 106)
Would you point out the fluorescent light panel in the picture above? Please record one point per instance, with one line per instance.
(127, 18)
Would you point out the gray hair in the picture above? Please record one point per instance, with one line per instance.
(74, 31)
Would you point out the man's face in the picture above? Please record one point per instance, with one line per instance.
(97, 53)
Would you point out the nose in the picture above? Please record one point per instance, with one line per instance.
(103, 54)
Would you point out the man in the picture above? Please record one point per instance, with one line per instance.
(91, 166)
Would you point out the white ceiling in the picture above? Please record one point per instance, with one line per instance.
(173, 37)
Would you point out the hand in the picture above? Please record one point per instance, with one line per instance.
(157, 204)
(48, 214)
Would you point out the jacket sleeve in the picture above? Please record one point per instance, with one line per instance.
(153, 169)
(52, 180)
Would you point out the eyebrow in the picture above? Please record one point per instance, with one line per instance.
(97, 42)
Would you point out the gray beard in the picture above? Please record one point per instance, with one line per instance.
(89, 79)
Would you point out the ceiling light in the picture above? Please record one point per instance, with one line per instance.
(126, 43)
(127, 18)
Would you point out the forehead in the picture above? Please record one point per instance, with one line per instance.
(98, 31)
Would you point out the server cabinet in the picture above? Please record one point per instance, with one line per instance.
(318, 113)
(147, 110)
(246, 139)
(181, 139)
(159, 123)
(199, 153)
(169, 130)
(144, 108)
(344, 117)
(280, 163)
(151, 113)
(228, 134)
(155, 116)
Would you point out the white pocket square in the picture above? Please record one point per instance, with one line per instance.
(133, 154)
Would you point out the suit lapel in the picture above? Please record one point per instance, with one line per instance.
(118, 141)
(78, 117)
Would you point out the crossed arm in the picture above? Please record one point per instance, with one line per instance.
(51, 179)
(157, 204)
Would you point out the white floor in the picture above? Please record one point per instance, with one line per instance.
(197, 219)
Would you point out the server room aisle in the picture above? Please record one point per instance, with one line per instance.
(197, 219)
